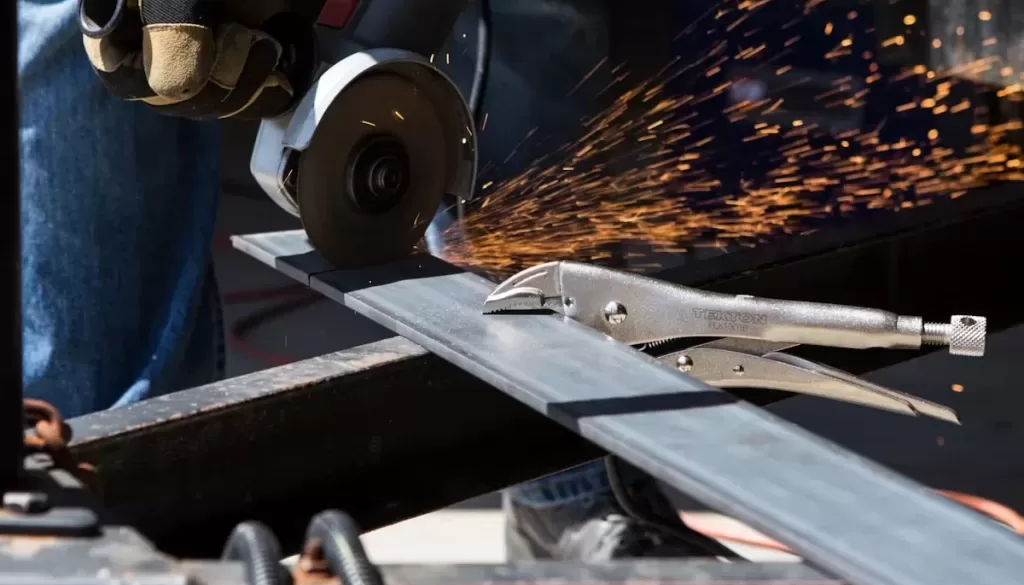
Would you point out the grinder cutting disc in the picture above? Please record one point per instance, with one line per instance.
(374, 173)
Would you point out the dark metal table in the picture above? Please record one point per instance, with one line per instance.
(385, 431)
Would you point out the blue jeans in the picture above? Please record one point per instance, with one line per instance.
(118, 209)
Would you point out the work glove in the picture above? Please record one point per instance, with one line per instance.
(203, 59)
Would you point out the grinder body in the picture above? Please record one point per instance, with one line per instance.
(367, 154)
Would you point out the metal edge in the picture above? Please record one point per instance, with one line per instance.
(622, 572)
(385, 431)
(107, 425)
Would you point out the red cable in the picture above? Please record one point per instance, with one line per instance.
(994, 510)
(293, 297)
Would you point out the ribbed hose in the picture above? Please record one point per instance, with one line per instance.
(257, 548)
(343, 550)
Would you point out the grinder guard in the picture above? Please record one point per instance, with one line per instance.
(366, 194)
(310, 161)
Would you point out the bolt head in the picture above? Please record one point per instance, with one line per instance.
(615, 312)
(684, 363)
(738, 370)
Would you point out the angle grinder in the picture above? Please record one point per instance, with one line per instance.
(367, 154)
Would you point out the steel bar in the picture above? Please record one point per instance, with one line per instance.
(837, 510)
(385, 431)
(121, 555)
(10, 247)
(674, 572)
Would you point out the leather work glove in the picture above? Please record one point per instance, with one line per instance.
(203, 59)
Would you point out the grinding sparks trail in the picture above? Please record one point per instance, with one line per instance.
(655, 169)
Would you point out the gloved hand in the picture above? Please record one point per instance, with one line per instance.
(203, 59)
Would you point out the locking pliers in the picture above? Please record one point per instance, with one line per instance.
(643, 311)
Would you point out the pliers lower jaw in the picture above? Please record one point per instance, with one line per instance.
(533, 289)
(638, 310)
(749, 363)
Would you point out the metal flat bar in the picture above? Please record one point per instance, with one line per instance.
(837, 510)
(122, 555)
(385, 431)
(648, 571)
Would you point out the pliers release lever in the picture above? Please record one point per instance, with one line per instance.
(639, 310)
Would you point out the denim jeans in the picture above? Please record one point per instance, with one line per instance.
(118, 210)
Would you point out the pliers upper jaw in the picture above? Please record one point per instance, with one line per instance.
(536, 288)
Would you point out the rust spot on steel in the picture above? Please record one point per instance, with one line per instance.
(51, 435)
(189, 406)
(312, 567)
